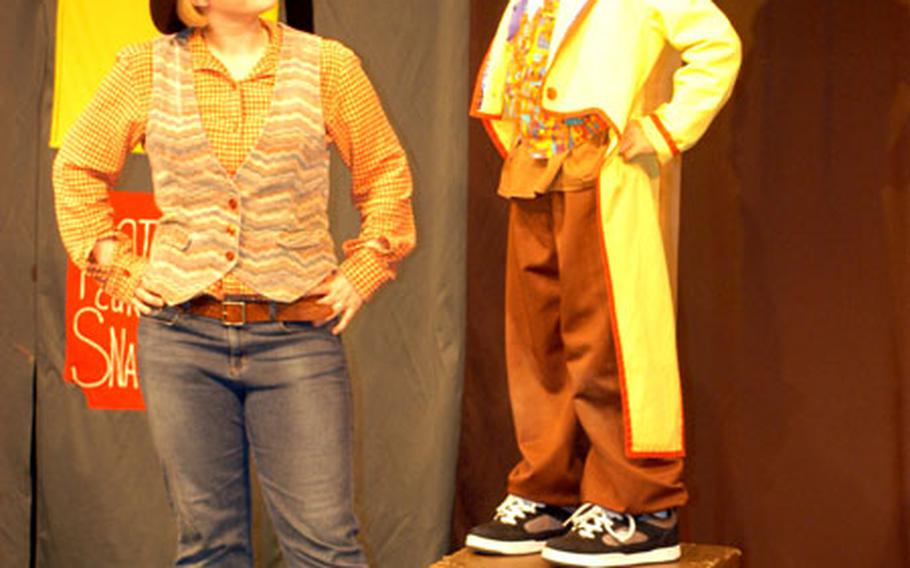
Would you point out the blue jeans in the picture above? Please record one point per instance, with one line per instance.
(278, 389)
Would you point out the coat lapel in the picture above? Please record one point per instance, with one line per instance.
(570, 12)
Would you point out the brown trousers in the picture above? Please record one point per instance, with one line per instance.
(561, 360)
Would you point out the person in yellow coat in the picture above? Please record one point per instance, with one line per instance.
(567, 93)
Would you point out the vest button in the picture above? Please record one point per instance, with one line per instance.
(230, 255)
(232, 203)
(552, 93)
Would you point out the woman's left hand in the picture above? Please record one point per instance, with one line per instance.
(344, 300)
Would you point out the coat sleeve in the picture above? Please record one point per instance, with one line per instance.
(711, 53)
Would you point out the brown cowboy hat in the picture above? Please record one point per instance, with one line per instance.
(164, 14)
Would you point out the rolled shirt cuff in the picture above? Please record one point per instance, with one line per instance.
(366, 271)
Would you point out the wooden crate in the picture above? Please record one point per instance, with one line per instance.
(694, 556)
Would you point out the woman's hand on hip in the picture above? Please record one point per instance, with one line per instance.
(144, 300)
(343, 298)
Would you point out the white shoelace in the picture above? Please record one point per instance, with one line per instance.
(591, 519)
(515, 508)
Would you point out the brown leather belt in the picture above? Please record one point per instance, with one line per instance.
(240, 312)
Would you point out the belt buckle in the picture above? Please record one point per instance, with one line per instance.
(225, 315)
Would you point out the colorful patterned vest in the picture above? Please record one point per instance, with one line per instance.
(269, 222)
(546, 135)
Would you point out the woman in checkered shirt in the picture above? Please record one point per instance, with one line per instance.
(242, 297)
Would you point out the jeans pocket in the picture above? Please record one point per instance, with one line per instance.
(168, 315)
(291, 326)
(309, 330)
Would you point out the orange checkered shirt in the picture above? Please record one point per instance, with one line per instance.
(233, 112)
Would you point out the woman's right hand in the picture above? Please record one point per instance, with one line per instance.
(144, 300)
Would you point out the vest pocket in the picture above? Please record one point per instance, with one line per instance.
(174, 237)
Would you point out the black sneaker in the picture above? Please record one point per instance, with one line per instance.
(603, 538)
(520, 526)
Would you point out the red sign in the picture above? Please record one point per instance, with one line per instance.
(101, 331)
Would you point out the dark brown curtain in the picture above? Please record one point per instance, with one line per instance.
(794, 293)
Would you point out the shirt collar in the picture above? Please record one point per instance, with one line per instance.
(203, 59)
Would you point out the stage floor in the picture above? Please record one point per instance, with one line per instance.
(694, 556)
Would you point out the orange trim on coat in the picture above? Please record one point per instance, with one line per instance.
(674, 149)
(478, 88)
(620, 364)
(485, 118)
(491, 132)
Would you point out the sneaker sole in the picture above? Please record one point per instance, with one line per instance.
(508, 548)
(655, 556)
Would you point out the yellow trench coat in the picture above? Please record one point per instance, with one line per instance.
(619, 59)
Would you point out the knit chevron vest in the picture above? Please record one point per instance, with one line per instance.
(268, 223)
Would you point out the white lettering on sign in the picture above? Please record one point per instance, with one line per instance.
(119, 359)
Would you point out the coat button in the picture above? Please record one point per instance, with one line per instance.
(552, 93)
(232, 203)
(231, 231)
(230, 256)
